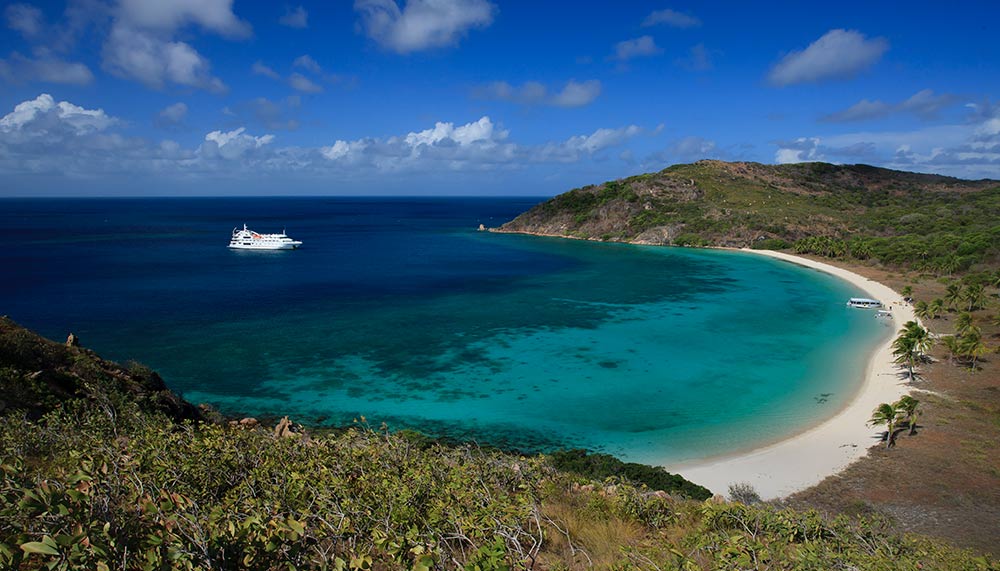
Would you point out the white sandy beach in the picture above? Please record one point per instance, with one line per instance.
(806, 459)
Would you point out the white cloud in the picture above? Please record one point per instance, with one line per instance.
(580, 146)
(18, 68)
(45, 138)
(924, 104)
(259, 68)
(838, 54)
(164, 16)
(295, 18)
(481, 131)
(637, 47)
(307, 63)
(233, 144)
(801, 150)
(172, 115)
(43, 116)
(154, 61)
(25, 18)
(302, 83)
(140, 45)
(671, 18)
(421, 24)
(860, 111)
(573, 93)
(968, 150)
(692, 148)
(576, 94)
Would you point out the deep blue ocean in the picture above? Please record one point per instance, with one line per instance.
(399, 310)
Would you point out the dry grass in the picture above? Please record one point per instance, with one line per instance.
(943, 481)
(588, 538)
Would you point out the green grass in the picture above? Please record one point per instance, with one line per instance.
(926, 223)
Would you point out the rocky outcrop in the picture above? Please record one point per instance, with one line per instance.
(38, 375)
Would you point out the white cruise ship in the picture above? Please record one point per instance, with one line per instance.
(246, 239)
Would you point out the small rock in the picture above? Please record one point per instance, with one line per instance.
(72, 341)
(284, 429)
(248, 422)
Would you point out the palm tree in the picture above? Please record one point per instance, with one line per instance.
(953, 295)
(912, 343)
(922, 309)
(908, 405)
(972, 346)
(921, 336)
(905, 350)
(937, 307)
(963, 323)
(954, 346)
(975, 294)
(886, 414)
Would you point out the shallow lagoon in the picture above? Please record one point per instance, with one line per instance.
(397, 309)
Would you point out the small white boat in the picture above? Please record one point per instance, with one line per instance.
(247, 239)
(864, 303)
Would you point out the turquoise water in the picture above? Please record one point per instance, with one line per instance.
(400, 312)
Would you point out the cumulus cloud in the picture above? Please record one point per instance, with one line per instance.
(671, 18)
(295, 18)
(578, 147)
(20, 69)
(924, 104)
(838, 54)
(166, 17)
(478, 145)
(969, 150)
(576, 94)
(61, 139)
(259, 68)
(692, 148)
(25, 18)
(307, 63)
(232, 145)
(172, 115)
(302, 83)
(573, 93)
(42, 115)
(636, 47)
(801, 150)
(421, 24)
(141, 44)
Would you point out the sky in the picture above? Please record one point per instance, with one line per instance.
(481, 97)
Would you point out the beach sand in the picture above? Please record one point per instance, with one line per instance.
(806, 459)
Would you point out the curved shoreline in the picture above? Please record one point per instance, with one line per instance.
(804, 460)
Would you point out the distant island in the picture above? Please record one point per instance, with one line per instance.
(920, 221)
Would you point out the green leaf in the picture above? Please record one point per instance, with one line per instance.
(39, 547)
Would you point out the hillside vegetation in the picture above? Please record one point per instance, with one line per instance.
(907, 220)
(101, 467)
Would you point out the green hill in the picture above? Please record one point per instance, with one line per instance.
(925, 222)
(102, 467)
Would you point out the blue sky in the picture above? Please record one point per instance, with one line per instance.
(480, 97)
